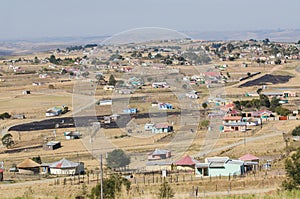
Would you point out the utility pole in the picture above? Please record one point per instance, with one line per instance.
(101, 178)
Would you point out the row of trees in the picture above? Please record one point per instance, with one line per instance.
(263, 101)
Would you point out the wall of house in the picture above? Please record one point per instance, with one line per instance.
(229, 169)
(29, 171)
(69, 171)
(158, 167)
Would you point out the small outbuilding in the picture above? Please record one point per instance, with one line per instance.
(250, 161)
(52, 145)
(72, 135)
(159, 154)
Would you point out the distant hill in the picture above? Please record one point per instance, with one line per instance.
(273, 35)
(16, 47)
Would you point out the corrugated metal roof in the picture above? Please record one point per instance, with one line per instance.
(217, 159)
(159, 152)
(63, 163)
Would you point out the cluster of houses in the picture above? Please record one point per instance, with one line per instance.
(280, 94)
(61, 167)
(212, 166)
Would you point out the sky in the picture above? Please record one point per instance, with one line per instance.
(21, 19)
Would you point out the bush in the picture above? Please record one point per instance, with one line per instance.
(5, 115)
(296, 131)
(117, 158)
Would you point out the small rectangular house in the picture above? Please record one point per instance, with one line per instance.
(162, 128)
(160, 85)
(235, 126)
(72, 135)
(27, 92)
(52, 145)
(105, 102)
(262, 114)
(159, 154)
(148, 127)
(130, 110)
(192, 95)
(109, 88)
(220, 166)
(165, 106)
(55, 111)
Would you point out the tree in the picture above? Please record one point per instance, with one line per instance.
(266, 41)
(274, 103)
(85, 74)
(149, 79)
(259, 91)
(264, 101)
(52, 59)
(117, 158)
(282, 111)
(204, 105)
(112, 81)
(36, 60)
(5, 115)
(204, 123)
(37, 159)
(165, 191)
(277, 61)
(7, 140)
(298, 42)
(230, 47)
(237, 105)
(292, 168)
(296, 131)
(248, 74)
(112, 186)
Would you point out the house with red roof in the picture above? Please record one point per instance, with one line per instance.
(232, 119)
(186, 163)
(251, 162)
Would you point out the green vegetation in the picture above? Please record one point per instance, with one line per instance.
(7, 140)
(112, 187)
(296, 131)
(292, 168)
(37, 159)
(117, 158)
(112, 81)
(165, 191)
(263, 101)
(5, 116)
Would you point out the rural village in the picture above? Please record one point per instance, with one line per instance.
(208, 117)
